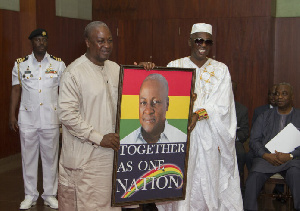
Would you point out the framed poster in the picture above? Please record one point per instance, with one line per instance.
(154, 110)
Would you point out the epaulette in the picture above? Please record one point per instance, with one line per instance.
(55, 58)
(19, 60)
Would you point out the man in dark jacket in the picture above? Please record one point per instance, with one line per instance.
(265, 164)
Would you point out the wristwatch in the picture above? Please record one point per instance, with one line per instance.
(291, 156)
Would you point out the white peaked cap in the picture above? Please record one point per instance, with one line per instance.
(201, 27)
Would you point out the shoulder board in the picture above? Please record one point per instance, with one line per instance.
(55, 58)
(19, 60)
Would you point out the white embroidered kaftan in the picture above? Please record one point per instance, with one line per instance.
(212, 180)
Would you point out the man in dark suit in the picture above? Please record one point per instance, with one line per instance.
(279, 188)
(265, 164)
(242, 132)
(257, 111)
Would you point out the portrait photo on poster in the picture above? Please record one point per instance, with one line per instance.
(153, 114)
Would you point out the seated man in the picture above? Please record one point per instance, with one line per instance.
(265, 164)
(153, 105)
(257, 111)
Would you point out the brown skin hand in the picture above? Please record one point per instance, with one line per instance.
(194, 118)
(272, 158)
(193, 122)
(111, 140)
(14, 101)
(146, 65)
(283, 157)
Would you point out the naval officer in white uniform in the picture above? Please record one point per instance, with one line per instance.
(36, 78)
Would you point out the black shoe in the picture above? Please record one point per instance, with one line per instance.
(149, 207)
(281, 200)
(278, 196)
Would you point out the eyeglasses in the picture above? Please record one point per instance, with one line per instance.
(200, 41)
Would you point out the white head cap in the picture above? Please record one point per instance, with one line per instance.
(201, 27)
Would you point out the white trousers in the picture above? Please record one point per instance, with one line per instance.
(33, 142)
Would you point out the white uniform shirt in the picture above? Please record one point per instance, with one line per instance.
(39, 81)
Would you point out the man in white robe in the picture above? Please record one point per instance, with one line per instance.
(213, 181)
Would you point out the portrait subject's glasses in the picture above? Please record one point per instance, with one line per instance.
(200, 41)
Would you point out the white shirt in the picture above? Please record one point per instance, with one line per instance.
(39, 81)
(87, 109)
(170, 135)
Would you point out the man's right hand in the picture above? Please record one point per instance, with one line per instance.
(194, 97)
(111, 140)
(271, 158)
(13, 124)
(193, 123)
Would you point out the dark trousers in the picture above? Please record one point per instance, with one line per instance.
(256, 180)
(241, 157)
(249, 160)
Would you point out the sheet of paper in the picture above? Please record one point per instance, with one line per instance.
(285, 141)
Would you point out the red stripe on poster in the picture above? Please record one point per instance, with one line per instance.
(179, 81)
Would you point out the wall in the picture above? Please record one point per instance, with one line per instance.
(65, 41)
(287, 44)
(158, 31)
(287, 54)
(259, 49)
(286, 8)
(13, 44)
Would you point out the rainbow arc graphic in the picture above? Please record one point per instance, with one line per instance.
(148, 177)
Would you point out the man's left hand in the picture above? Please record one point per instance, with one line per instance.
(283, 157)
(146, 65)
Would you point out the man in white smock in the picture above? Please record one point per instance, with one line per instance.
(212, 179)
(87, 109)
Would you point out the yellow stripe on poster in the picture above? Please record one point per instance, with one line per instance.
(178, 107)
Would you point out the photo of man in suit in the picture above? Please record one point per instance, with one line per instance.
(153, 105)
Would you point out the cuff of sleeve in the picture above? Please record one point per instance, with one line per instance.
(261, 153)
(295, 154)
(95, 138)
(202, 114)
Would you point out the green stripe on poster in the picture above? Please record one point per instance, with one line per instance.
(129, 125)
(181, 124)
